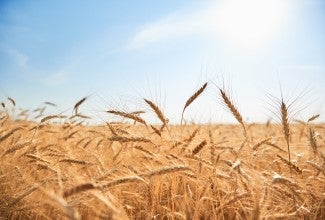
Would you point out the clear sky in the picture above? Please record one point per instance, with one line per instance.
(118, 52)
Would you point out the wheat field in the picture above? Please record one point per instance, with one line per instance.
(60, 168)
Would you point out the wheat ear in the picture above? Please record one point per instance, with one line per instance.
(4, 137)
(50, 103)
(123, 180)
(199, 147)
(164, 170)
(128, 115)
(15, 148)
(157, 131)
(312, 140)
(285, 126)
(81, 162)
(193, 97)
(23, 195)
(129, 139)
(51, 117)
(261, 143)
(314, 117)
(233, 109)
(79, 188)
(12, 101)
(157, 111)
(76, 106)
(290, 164)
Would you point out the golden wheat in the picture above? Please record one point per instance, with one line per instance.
(128, 115)
(193, 97)
(130, 171)
(76, 106)
(233, 109)
(159, 113)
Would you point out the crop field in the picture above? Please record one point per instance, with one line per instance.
(60, 168)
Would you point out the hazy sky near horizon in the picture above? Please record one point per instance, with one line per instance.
(118, 52)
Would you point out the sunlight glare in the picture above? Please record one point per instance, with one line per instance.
(250, 23)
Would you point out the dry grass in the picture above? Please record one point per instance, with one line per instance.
(68, 170)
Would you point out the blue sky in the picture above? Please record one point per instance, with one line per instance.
(118, 52)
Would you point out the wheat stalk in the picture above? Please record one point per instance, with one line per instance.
(128, 115)
(165, 170)
(79, 116)
(190, 138)
(201, 160)
(35, 157)
(290, 164)
(129, 139)
(51, 117)
(123, 180)
(78, 189)
(319, 168)
(12, 101)
(137, 112)
(312, 140)
(233, 109)
(274, 145)
(261, 143)
(68, 209)
(50, 103)
(76, 106)
(81, 162)
(286, 129)
(15, 148)
(314, 117)
(212, 148)
(87, 143)
(159, 113)
(157, 131)
(193, 97)
(23, 195)
(4, 137)
(279, 179)
(199, 147)
(111, 128)
(138, 147)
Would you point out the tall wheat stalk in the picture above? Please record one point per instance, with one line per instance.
(285, 126)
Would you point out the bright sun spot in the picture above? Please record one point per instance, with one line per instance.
(250, 23)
